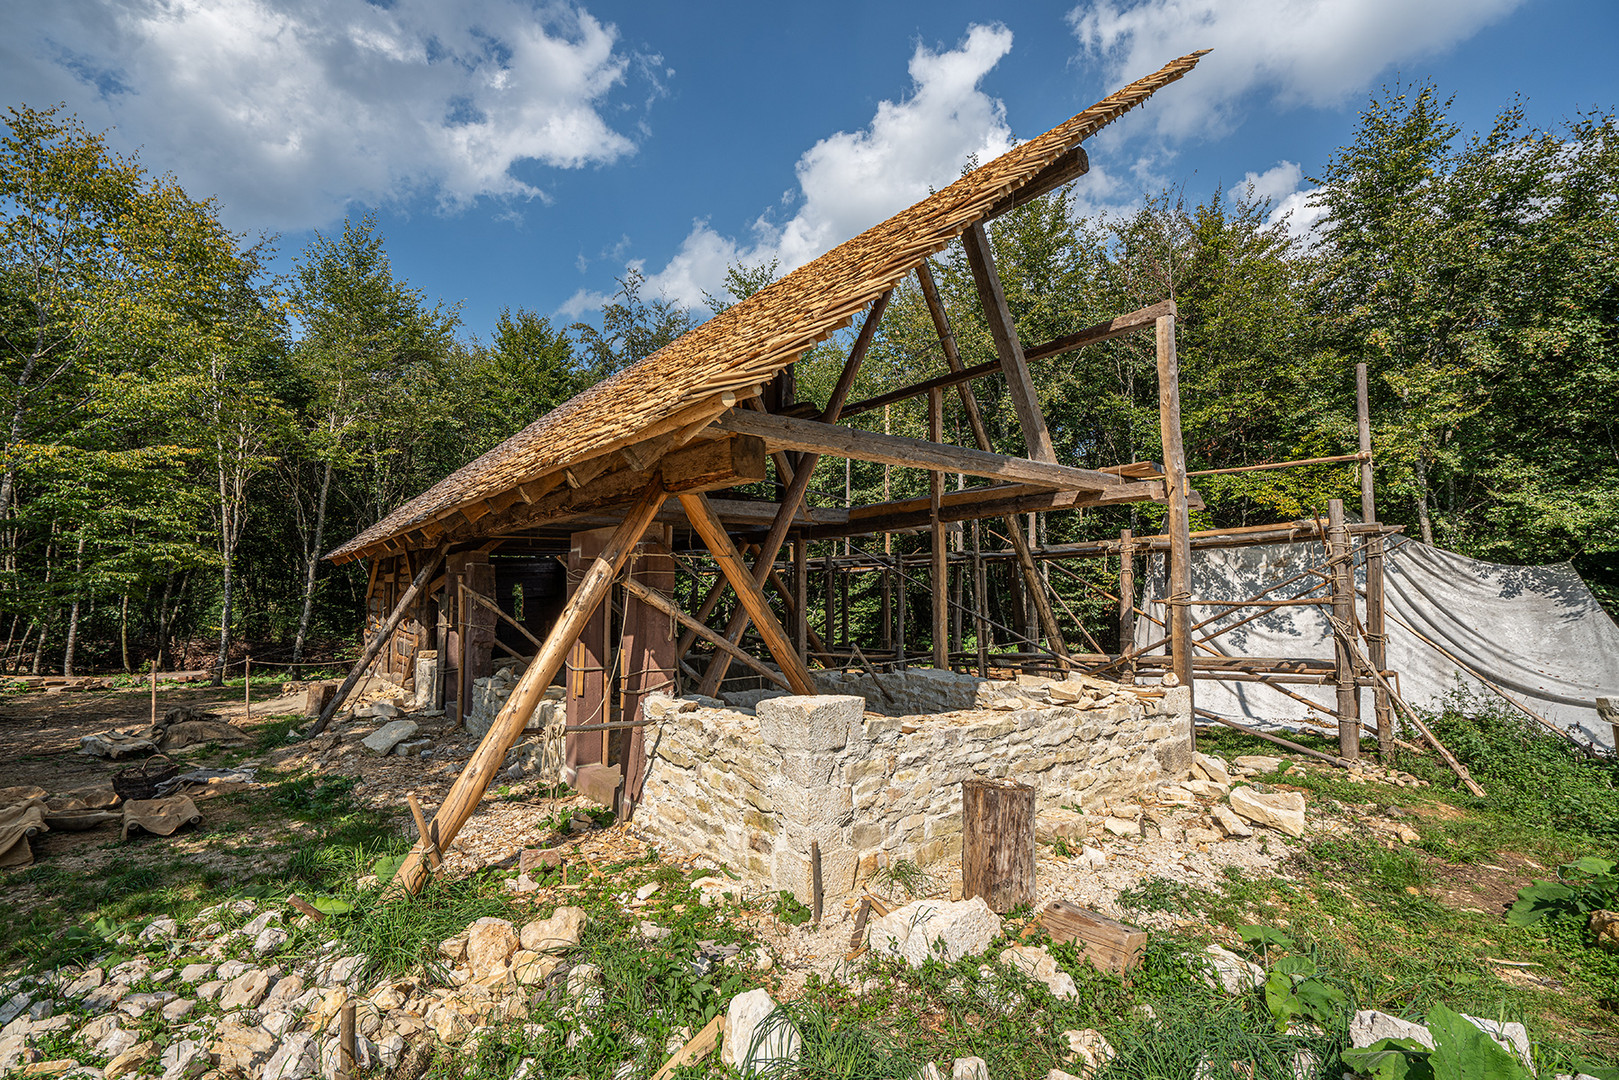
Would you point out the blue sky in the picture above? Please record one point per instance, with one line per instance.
(524, 154)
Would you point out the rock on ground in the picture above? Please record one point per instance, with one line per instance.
(944, 929)
(490, 943)
(389, 735)
(557, 934)
(747, 1048)
(1368, 1025)
(1280, 810)
(1227, 970)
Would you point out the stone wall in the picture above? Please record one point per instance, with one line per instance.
(872, 781)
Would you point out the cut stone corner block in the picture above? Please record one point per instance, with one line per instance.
(810, 722)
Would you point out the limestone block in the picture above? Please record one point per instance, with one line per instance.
(1225, 969)
(945, 929)
(1281, 810)
(750, 1041)
(490, 944)
(1226, 820)
(557, 934)
(1211, 768)
(808, 768)
(821, 722)
(389, 735)
(1369, 1025)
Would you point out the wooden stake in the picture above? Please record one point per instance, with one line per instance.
(433, 856)
(247, 687)
(346, 1041)
(816, 893)
(1180, 543)
(1343, 610)
(700, 1046)
(375, 645)
(154, 692)
(306, 907)
(597, 582)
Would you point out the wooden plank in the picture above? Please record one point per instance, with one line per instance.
(919, 517)
(1019, 384)
(700, 1046)
(469, 787)
(1111, 945)
(713, 534)
(1102, 331)
(820, 438)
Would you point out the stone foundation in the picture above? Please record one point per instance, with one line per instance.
(872, 771)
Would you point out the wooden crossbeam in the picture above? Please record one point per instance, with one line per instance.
(1069, 167)
(782, 431)
(671, 609)
(905, 393)
(917, 513)
(1102, 331)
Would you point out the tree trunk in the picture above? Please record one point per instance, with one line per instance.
(163, 623)
(123, 630)
(1421, 469)
(224, 619)
(73, 612)
(312, 566)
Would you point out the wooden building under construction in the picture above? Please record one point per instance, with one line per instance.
(568, 546)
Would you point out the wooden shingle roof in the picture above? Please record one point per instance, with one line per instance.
(750, 342)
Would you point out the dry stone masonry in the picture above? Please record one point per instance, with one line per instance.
(871, 770)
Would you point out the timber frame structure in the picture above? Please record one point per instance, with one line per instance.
(627, 485)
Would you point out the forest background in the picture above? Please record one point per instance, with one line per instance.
(185, 434)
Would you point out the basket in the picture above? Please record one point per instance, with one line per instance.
(140, 781)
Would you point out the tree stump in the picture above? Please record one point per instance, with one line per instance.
(997, 843)
(319, 694)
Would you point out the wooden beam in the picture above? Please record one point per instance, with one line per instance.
(823, 438)
(857, 354)
(469, 787)
(999, 316)
(953, 378)
(713, 533)
(671, 609)
(1102, 331)
(699, 467)
(918, 513)
(1070, 166)
(969, 403)
(384, 634)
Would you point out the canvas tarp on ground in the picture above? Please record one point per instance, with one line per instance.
(1535, 631)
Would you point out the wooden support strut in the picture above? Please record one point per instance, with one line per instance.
(941, 568)
(1375, 631)
(1343, 611)
(794, 495)
(671, 609)
(480, 769)
(752, 597)
(1180, 543)
(374, 647)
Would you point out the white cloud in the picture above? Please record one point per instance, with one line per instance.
(1313, 52)
(1280, 184)
(850, 181)
(292, 109)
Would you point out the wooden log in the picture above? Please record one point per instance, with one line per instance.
(346, 1041)
(997, 842)
(300, 904)
(1102, 331)
(374, 647)
(1375, 631)
(748, 592)
(433, 856)
(1110, 945)
(1180, 546)
(1019, 384)
(1127, 606)
(1067, 167)
(469, 787)
(822, 438)
(315, 698)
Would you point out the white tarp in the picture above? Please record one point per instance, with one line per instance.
(1535, 631)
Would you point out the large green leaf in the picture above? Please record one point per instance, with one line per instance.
(1392, 1059)
(1463, 1052)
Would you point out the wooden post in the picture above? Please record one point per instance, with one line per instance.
(900, 606)
(154, 692)
(830, 585)
(1127, 605)
(941, 565)
(997, 843)
(247, 686)
(423, 830)
(1180, 527)
(374, 646)
(817, 894)
(980, 604)
(801, 598)
(1343, 609)
(469, 787)
(1376, 635)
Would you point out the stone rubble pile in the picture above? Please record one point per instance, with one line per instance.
(240, 1012)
